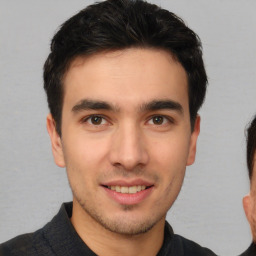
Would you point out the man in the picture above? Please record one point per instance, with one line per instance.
(249, 201)
(124, 81)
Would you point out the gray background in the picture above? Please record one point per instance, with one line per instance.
(209, 208)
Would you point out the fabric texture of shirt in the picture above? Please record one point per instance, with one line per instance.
(251, 251)
(59, 238)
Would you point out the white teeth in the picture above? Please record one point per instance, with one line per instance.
(132, 190)
(124, 190)
(127, 190)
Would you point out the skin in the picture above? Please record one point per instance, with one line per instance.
(127, 141)
(249, 203)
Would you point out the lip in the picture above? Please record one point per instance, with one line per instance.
(126, 183)
(125, 198)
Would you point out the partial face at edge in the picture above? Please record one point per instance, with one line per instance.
(126, 137)
(249, 203)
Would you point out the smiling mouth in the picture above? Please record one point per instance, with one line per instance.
(128, 190)
(128, 194)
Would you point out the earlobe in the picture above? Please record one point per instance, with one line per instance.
(247, 207)
(193, 141)
(57, 149)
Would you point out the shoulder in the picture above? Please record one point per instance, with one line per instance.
(251, 251)
(191, 248)
(25, 245)
(44, 242)
(17, 246)
(179, 246)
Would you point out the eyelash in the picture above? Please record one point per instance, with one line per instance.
(86, 119)
(165, 119)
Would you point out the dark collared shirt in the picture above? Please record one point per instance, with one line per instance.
(59, 238)
(251, 251)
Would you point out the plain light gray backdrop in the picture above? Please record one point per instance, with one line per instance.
(209, 207)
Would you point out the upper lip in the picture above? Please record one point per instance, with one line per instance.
(128, 183)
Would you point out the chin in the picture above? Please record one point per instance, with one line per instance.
(127, 222)
(128, 228)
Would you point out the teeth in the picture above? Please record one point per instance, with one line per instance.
(128, 190)
(124, 190)
(132, 190)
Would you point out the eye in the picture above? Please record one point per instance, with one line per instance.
(158, 120)
(95, 120)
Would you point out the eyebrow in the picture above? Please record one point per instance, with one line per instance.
(87, 104)
(162, 104)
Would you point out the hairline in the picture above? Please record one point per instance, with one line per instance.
(109, 50)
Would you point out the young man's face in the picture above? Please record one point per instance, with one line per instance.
(249, 202)
(126, 137)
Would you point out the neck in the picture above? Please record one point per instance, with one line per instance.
(104, 242)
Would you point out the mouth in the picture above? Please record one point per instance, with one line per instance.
(128, 189)
(128, 194)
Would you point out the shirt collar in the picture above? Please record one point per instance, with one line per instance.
(62, 236)
(64, 240)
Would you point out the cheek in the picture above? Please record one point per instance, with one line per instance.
(170, 165)
(252, 220)
(253, 224)
(169, 160)
(85, 149)
(84, 157)
(172, 153)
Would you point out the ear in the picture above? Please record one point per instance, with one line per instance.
(248, 207)
(193, 141)
(57, 149)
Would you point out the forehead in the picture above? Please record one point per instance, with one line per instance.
(126, 76)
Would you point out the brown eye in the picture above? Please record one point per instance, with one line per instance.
(158, 120)
(96, 120)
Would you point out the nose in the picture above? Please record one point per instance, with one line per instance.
(128, 149)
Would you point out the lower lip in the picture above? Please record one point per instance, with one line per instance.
(129, 199)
